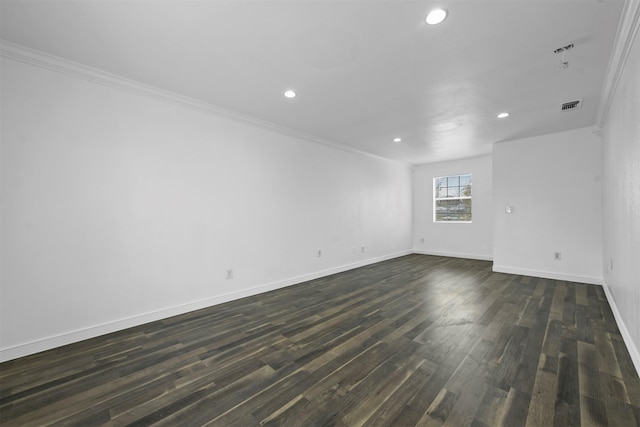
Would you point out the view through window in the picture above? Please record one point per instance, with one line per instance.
(452, 198)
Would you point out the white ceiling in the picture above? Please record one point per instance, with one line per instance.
(365, 71)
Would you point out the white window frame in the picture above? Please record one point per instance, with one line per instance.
(436, 199)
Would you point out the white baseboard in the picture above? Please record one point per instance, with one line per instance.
(626, 336)
(454, 255)
(48, 343)
(549, 275)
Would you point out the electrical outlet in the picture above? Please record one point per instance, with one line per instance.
(229, 274)
(319, 253)
(557, 256)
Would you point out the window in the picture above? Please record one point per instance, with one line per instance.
(452, 198)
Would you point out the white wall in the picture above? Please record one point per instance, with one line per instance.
(119, 209)
(553, 183)
(468, 240)
(621, 207)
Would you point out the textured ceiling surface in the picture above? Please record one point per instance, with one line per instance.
(366, 72)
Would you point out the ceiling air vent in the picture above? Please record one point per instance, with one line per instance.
(572, 105)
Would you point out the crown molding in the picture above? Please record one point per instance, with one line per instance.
(627, 30)
(45, 60)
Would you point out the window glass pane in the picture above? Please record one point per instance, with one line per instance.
(464, 210)
(443, 212)
(441, 182)
(453, 192)
(453, 210)
(453, 181)
(441, 193)
(465, 191)
(465, 180)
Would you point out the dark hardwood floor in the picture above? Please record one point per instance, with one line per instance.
(418, 340)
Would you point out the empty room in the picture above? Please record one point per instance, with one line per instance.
(320, 213)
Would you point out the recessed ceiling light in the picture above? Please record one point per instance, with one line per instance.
(503, 115)
(436, 16)
(290, 94)
(397, 139)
